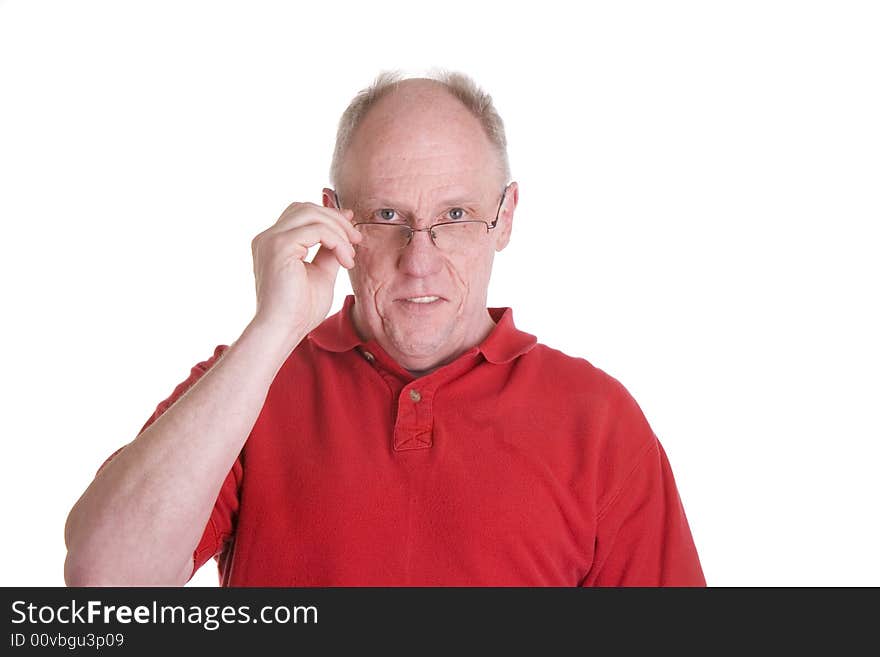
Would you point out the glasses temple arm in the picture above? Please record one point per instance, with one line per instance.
(498, 212)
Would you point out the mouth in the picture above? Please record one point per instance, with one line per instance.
(425, 299)
(423, 302)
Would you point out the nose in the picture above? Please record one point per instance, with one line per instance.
(420, 257)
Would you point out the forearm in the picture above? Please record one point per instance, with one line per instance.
(143, 515)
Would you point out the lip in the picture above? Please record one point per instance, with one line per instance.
(417, 295)
(420, 309)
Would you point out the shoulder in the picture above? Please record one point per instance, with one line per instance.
(573, 376)
(601, 414)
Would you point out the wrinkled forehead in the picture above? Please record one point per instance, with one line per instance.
(424, 145)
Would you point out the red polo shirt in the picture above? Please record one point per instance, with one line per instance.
(513, 465)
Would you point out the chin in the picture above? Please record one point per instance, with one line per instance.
(415, 349)
(422, 347)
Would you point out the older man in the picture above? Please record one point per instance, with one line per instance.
(416, 437)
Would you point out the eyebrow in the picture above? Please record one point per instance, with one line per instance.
(448, 202)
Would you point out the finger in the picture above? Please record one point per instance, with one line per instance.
(345, 219)
(316, 232)
(326, 262)
(349, 219)
(343, 229)
(299, 213)
(304, 237)
(343, 252)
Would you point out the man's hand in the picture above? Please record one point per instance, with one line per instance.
(293, 295)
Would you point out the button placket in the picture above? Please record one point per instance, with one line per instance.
(413, 429)
(414, 425)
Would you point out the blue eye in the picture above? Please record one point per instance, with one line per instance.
(387, 214)
(455, 213)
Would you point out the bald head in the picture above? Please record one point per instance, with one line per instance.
(417, 127)
(415, 111)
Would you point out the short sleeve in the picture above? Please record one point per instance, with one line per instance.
(642, 534)
(197, 371)
(220, 527)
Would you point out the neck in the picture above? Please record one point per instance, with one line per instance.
(487, 324)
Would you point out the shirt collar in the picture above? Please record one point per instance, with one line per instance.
(503, 344)
(336, 333)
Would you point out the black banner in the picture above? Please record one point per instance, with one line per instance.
(110, 621)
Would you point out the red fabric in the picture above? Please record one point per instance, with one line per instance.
(513, 465)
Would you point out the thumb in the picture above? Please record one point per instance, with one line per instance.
(326, 263)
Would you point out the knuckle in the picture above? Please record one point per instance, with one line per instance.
(293, 208)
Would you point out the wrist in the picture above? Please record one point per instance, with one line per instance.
(277, 339)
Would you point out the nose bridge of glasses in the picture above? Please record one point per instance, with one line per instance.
(430, 235)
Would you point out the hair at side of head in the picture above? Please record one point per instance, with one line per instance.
(459, 85)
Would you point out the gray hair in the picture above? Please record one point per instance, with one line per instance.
(462, 87)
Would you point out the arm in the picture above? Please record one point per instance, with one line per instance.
(141, 518)
(642, 535)
(143, 515)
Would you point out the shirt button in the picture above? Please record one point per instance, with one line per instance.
(415, 395)
(370, 357)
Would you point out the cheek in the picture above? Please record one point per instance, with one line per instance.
(475, 271)
(369, 274)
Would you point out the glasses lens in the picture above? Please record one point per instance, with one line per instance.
(383, 237)
(459, 236)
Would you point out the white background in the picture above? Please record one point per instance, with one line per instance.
(700, 191)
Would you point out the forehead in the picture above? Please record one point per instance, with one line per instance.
(420, 141)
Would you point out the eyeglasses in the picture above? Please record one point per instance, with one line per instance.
(451, 235)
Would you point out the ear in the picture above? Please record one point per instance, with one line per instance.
(505, 216)
(328, 198)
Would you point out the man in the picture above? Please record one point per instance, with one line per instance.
(414, 438)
